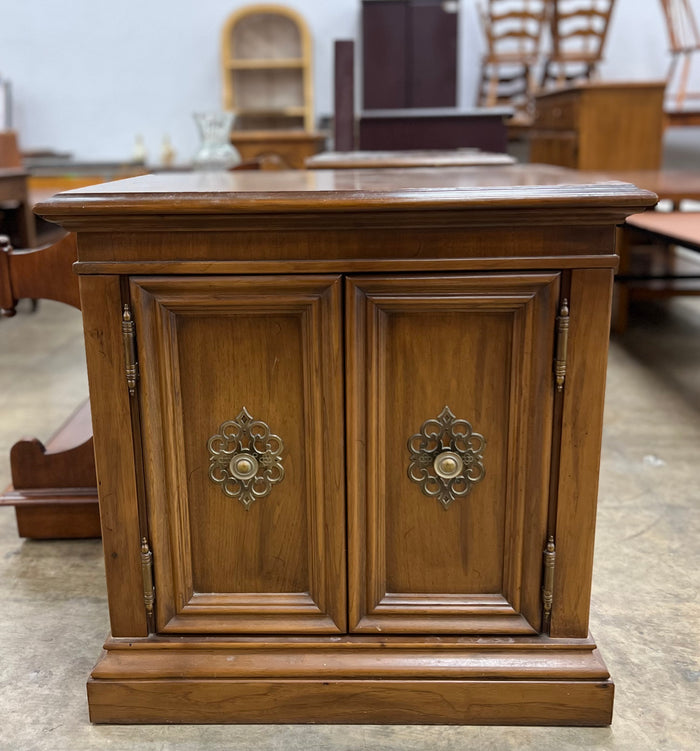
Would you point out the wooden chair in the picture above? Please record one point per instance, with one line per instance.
(684, 39)
(16, 218)
(578, 31)
(54, 487)
(513, 29)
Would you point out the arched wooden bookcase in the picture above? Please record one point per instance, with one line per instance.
(266, 65)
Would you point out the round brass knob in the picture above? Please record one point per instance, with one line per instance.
(243, 466)
(448, 464)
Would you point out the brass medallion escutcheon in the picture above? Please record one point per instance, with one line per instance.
(446, 457)
(245, 458)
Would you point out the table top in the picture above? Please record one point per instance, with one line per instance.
(424, 112)
(293, 136)
(295, 191)
(356, 200)
(681, 227)
(674, 185)
(414, 158)
(603, 86)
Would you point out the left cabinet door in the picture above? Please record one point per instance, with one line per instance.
(241, 411)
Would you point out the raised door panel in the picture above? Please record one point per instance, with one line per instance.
(454, 368)
(242, 425)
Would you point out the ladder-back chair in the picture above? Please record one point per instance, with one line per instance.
(512, 29)
(684, 40)
(578, 30)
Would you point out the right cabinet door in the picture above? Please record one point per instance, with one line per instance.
(449, 400)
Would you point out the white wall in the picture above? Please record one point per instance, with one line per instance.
(88, 75)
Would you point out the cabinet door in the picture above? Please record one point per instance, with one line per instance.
(450, 399)
(385, 54)
(433, 54)
(242, 428)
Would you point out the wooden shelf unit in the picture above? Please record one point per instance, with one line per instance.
(266, 66)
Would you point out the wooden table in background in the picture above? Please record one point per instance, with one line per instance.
(658, 273)
(679, 227)
(416, 158)
(649, 265)
(289, 149)
(673, 185)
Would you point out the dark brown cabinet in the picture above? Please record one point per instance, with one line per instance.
(409, 53)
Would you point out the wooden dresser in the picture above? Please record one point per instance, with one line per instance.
(347, 430)
(600, 126)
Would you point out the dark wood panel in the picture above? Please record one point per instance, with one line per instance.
(433, 59)
(582, 428)
(454, 131)
(72, 516)
(101, 304)
(385, 54)
(44, 274)
(543, 245)
(475, 702)
(357, 266)
(344, 96)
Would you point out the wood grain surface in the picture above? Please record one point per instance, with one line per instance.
(582, 429)
(478, 344)
(101, 303)
(477, 702)
(272, 345)
(344, 309)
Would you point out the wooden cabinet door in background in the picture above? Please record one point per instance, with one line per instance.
(433, 59)
(409, 53)
(449, 555)
(229, 557)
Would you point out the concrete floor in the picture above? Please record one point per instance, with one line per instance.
(645, 609)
